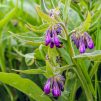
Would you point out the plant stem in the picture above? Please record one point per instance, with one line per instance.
(9, 92)
(96, 86)
(94, 69)
(78, 69)
(3, 66)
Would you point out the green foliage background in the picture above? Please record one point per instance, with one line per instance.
(23, 65)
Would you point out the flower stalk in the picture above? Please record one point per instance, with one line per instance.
(79, 71)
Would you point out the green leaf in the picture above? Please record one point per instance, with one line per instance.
(96, 17)
(63, 68)
(24, 85)
(76, 7)
(42, 49)
(8, 17)
(95, 56)
(33, 43)
(25, 39)
(86, 23)
(40, 29)
(44, 16)
(65, 55)
(38, 55)
(66, 10)
(31, 71)
(98, 36)
(94, 69)
(53, 53)
(43, 6)
(82, 65)
(49, 69)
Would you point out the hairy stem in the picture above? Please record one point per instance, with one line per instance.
(78, 69)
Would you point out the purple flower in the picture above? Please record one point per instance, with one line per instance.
(56, 39)
(47, 86)
(61, 85)
(52, 44)
(89, 41)
(55, 83)
(55, 89)
(82, 41)
(77, 43)
(75, 40)
(60, 81)
(73, 37)
(90, 44)
(58, 30)
(52, 37)
(81, 45)
(47, 38)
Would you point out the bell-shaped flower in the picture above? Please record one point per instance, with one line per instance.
(82, 47)
(55, 89)
(47, 86)
(56, 39)
(47, 37)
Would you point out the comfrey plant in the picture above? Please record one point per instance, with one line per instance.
(64, 72)
(55, 84)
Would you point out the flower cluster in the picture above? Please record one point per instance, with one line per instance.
(82, 41)
(54, 12)
(51, 36)
(54, 84)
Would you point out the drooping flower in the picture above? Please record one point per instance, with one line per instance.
(59, 29)
(55, 89)
(75, 40)
(60, 80)
(82, 41)
(47, 38)
(90, 44)
(56, 39)
(51, 37)
(61, 85)
(82, 48)
(89, 41)
(52, 44)
(56, 84)
(47, 86)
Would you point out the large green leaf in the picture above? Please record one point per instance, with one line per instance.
(40, 29)
(95, 56)
(24, 85)
(25, 39)
(31, 71)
